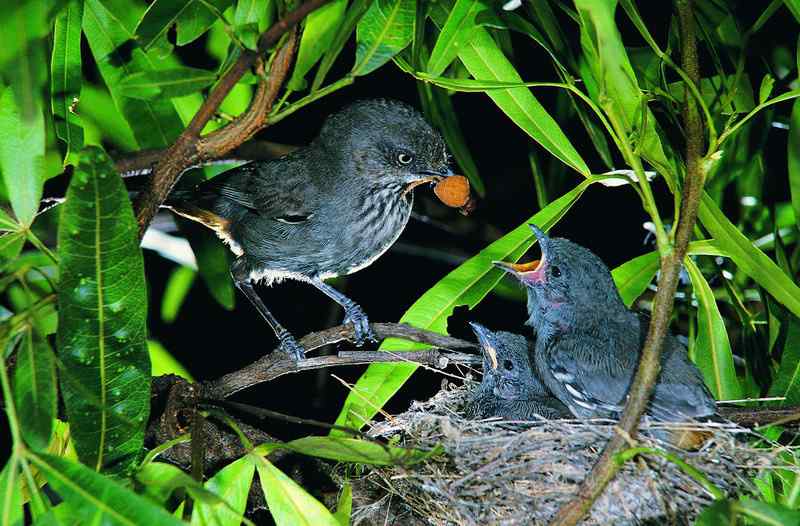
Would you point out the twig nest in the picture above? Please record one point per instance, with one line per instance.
(454, 191)
(520, 473)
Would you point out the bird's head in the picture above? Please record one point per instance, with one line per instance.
(390, 144)
(507, 367)
(568, 285)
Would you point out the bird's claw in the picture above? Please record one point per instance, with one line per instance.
(291, 347)
(362, 332)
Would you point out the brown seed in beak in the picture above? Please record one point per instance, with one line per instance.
(453, 191)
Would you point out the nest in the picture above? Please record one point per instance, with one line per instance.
(500, 472)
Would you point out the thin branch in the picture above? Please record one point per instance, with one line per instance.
(276, 363)
(188, 147)
(643, 383)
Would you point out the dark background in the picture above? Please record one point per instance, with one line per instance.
(211, 341)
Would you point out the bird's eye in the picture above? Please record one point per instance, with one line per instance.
(404, 158)
(508, 365)
(555, 272)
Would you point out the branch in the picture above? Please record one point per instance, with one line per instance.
(189, 148)
(643, 383)
(276, 363)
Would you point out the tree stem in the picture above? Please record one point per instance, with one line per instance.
(649, 366)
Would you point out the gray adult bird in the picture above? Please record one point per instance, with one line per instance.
(588, 343)
(510, 387)
(326, 210)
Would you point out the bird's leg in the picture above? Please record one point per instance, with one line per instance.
(353, 313)
(288, 343)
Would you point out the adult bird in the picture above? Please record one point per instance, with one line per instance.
(326, 210)
(588, 343)
(510, 388)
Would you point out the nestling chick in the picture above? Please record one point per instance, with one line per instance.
(510, 388)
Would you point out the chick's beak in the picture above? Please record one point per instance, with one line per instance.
(533, 271)
(485, 341)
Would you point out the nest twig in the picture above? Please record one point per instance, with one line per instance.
(499, 472)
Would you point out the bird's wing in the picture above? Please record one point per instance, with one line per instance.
(681, 391)
(594, 376)
(258, 187)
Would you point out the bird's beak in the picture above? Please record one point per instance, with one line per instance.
(533, 271)
(485, 341)
(425, 176)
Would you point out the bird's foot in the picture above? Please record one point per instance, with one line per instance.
(362, 332)
(291, 347)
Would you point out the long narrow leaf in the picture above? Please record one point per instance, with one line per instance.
(35, 390)
(66, 76)
(21, 156)
(289, 503)
(793, 156)
(750, 260)
(97, 499)
(232, 485)
(458, 29)
(712, 348)
(384, 31)
(102, 302)
(485, 61)
(155, 123)
(319, 31)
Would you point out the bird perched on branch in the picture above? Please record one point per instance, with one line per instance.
(326, 210)
(510, 387)
(588, 343)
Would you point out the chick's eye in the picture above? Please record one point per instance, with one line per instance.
(508, 365)
(555, 272)
(404, 158)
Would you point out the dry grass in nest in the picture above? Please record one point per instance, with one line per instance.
(496, 472)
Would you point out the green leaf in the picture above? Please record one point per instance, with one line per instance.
(289, 503)
(162, 362)
(633, 277)
(319, 30)
(21, 156)
(251, 18)
(178, 286)
(160, 480)
(794, 8)
(793, 156)
(155, 123)
(458, 30)
(486, 62)
(351, 450)
(344, 506)
(96, 498)
(232, 485)
(11, 512)
(617, 89)
(747, 257)
(158, 18)
(169, 83)
(35, 390)
(712, 348)
(766, 88)
(351, 18)
(756, 513)
(787, 380)
(466, 285)
(102, 302)
(197, 18)
(384, 31)
(66, 76)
